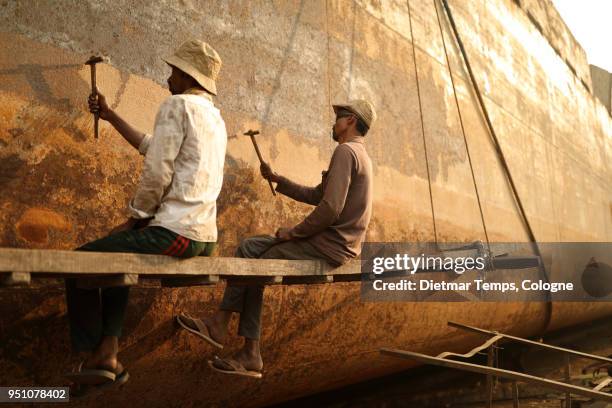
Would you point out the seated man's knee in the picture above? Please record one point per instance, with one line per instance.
(243, 249)
(253, 247)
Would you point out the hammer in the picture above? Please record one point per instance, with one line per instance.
(252, 134)
(92, 61)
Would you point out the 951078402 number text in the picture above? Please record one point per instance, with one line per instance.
(34, 394)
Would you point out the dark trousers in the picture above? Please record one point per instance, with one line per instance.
(95, 313)
(248, 300)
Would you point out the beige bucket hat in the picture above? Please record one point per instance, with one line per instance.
(360, 107)
(200, 61)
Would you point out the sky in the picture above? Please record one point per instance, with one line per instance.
(590, 21)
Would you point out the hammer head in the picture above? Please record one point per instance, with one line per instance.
(94, 60)
(251, 132)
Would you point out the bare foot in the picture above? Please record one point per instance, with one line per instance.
(106, 363)
(248, 359)
(217, 328)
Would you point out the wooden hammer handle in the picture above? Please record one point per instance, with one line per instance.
(261, 160)
(94, 92)
(257, 149)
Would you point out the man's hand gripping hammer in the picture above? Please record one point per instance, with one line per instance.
(252, 134)
(92, 61)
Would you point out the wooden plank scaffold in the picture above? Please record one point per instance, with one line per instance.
(103, 269)
(444, 360)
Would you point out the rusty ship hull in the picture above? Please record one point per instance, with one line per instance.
(284, 62)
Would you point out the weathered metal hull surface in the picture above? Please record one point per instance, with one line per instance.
(283, 62)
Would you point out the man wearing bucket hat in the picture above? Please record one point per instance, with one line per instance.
(173, 211)
(333, 232)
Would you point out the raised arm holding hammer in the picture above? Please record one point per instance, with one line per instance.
(98, 105)
(92, 61)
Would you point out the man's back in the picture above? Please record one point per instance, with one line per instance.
(337, 227)
(189, 147)
(342, 240)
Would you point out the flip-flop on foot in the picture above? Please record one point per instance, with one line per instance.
(90, 376)
(84, 390)
(201, 331)
(121, 379)
(231, 366)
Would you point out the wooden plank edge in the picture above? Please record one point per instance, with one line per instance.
(95, 282)
(304, 280)
(78, 262)
(353, 277)
(181, 281)
(253, 280)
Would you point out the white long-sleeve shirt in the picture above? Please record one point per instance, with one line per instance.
(183, 168)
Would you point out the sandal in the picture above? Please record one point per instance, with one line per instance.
(201, 331)
(231, 366)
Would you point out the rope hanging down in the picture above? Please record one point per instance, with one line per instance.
(416, 73)
(492, 133)
(450, 71)
(500, 154)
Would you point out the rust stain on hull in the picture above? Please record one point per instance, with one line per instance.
(36, 224)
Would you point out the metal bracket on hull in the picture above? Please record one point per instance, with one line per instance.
(492, 372)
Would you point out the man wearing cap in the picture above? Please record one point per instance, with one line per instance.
(173, 211)
(332, 232)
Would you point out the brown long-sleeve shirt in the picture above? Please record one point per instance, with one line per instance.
(343, 199)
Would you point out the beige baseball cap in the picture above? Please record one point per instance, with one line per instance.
(360, 107)
(200, 61)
